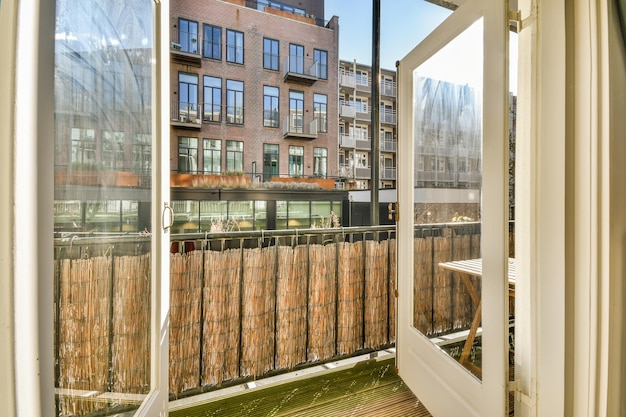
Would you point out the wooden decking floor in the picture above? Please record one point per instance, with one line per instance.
(369, 389)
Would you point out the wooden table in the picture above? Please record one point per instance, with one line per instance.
(474, 267)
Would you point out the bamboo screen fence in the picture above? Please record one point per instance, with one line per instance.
(242, 313)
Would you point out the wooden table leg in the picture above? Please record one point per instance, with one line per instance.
(471, 335)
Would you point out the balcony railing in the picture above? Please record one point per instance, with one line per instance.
(186, 47)
(347, 141)
(186, 114)
(389, 146)
(388, 173)
(244, 305)
(347, 80)
(362, 172)
(388, 88)
(365, 144)
(296, 127)
(347, 111)
(301, 70)
(388, 117)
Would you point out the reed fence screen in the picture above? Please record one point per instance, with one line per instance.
(242, 309)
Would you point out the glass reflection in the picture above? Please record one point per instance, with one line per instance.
(103, 141)
(447, 112)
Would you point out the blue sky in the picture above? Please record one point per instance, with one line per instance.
(403, 24)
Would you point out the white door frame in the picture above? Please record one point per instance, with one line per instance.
(438, 381)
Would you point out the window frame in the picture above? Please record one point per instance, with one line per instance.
(235, 51)
(271, 57)
(233, 163)
(210, 91)
(209, 42)
(321, 57)
(296, 160)
(271, 117)
(189, 155)
(233, 116)
(320, 160)
(209, 154)
(321, 115)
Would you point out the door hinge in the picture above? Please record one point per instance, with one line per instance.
(515, 17)
(516, 388)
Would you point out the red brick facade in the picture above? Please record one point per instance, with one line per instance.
(256, 25)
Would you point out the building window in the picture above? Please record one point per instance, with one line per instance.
(113, 87)
(188, 97)
(321, 60)
(212, 42)
(188, 36)
(270, 106)
(234, 46)
(234, 156)
(270, 54)
(296, 161)
(113, 149)
(320, 107)
(83, 148)
(234, 102)
(212, 99)
(187, 155)
(142, 152)
(270, 161)
(361, 105)
(212, 156)
(296, 111)
(296, 58)
(320, 162)
(362, 78)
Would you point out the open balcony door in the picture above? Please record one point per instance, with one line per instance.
(467, 57)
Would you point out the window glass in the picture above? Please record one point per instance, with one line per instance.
(299, 215)
(212, 156)
(234, 156)
(213, 216)
(270, 106)
(187, 97)
(212, 42)
(113, 150)
(270, 161)
(188, 36)
(320, 162)
(270, 54)
(241, 215)
(234, 102)
(212, 99)
(296, 161)
(296, 111)
(296, 58)
(234, 46)
(320, 110)
(321, 61)
(187, 155)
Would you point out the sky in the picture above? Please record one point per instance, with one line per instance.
(403, 24)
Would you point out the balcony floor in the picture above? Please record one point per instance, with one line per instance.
(367, 388)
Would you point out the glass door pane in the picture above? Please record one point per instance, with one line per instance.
(104, 271)
(447, 174)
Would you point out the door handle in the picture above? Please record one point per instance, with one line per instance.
(168, 212)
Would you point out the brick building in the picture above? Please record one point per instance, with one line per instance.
(253, 88)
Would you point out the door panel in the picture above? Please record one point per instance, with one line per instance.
(453, 101)
(111, 265)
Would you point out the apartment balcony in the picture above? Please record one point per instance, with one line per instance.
(364, 144)
(295, 127)
(186, 115)
(363, 113)
(388, 173)
(300, 70)
(185, 48)
(363, 85)
(389, 89)
(347, 141)
(389, 117)
(362, 172)
(347, 81)
(347, 111)
(346, 171)
(389, 146)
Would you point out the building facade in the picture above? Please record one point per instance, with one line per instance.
(253, 89)
(355, 126)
